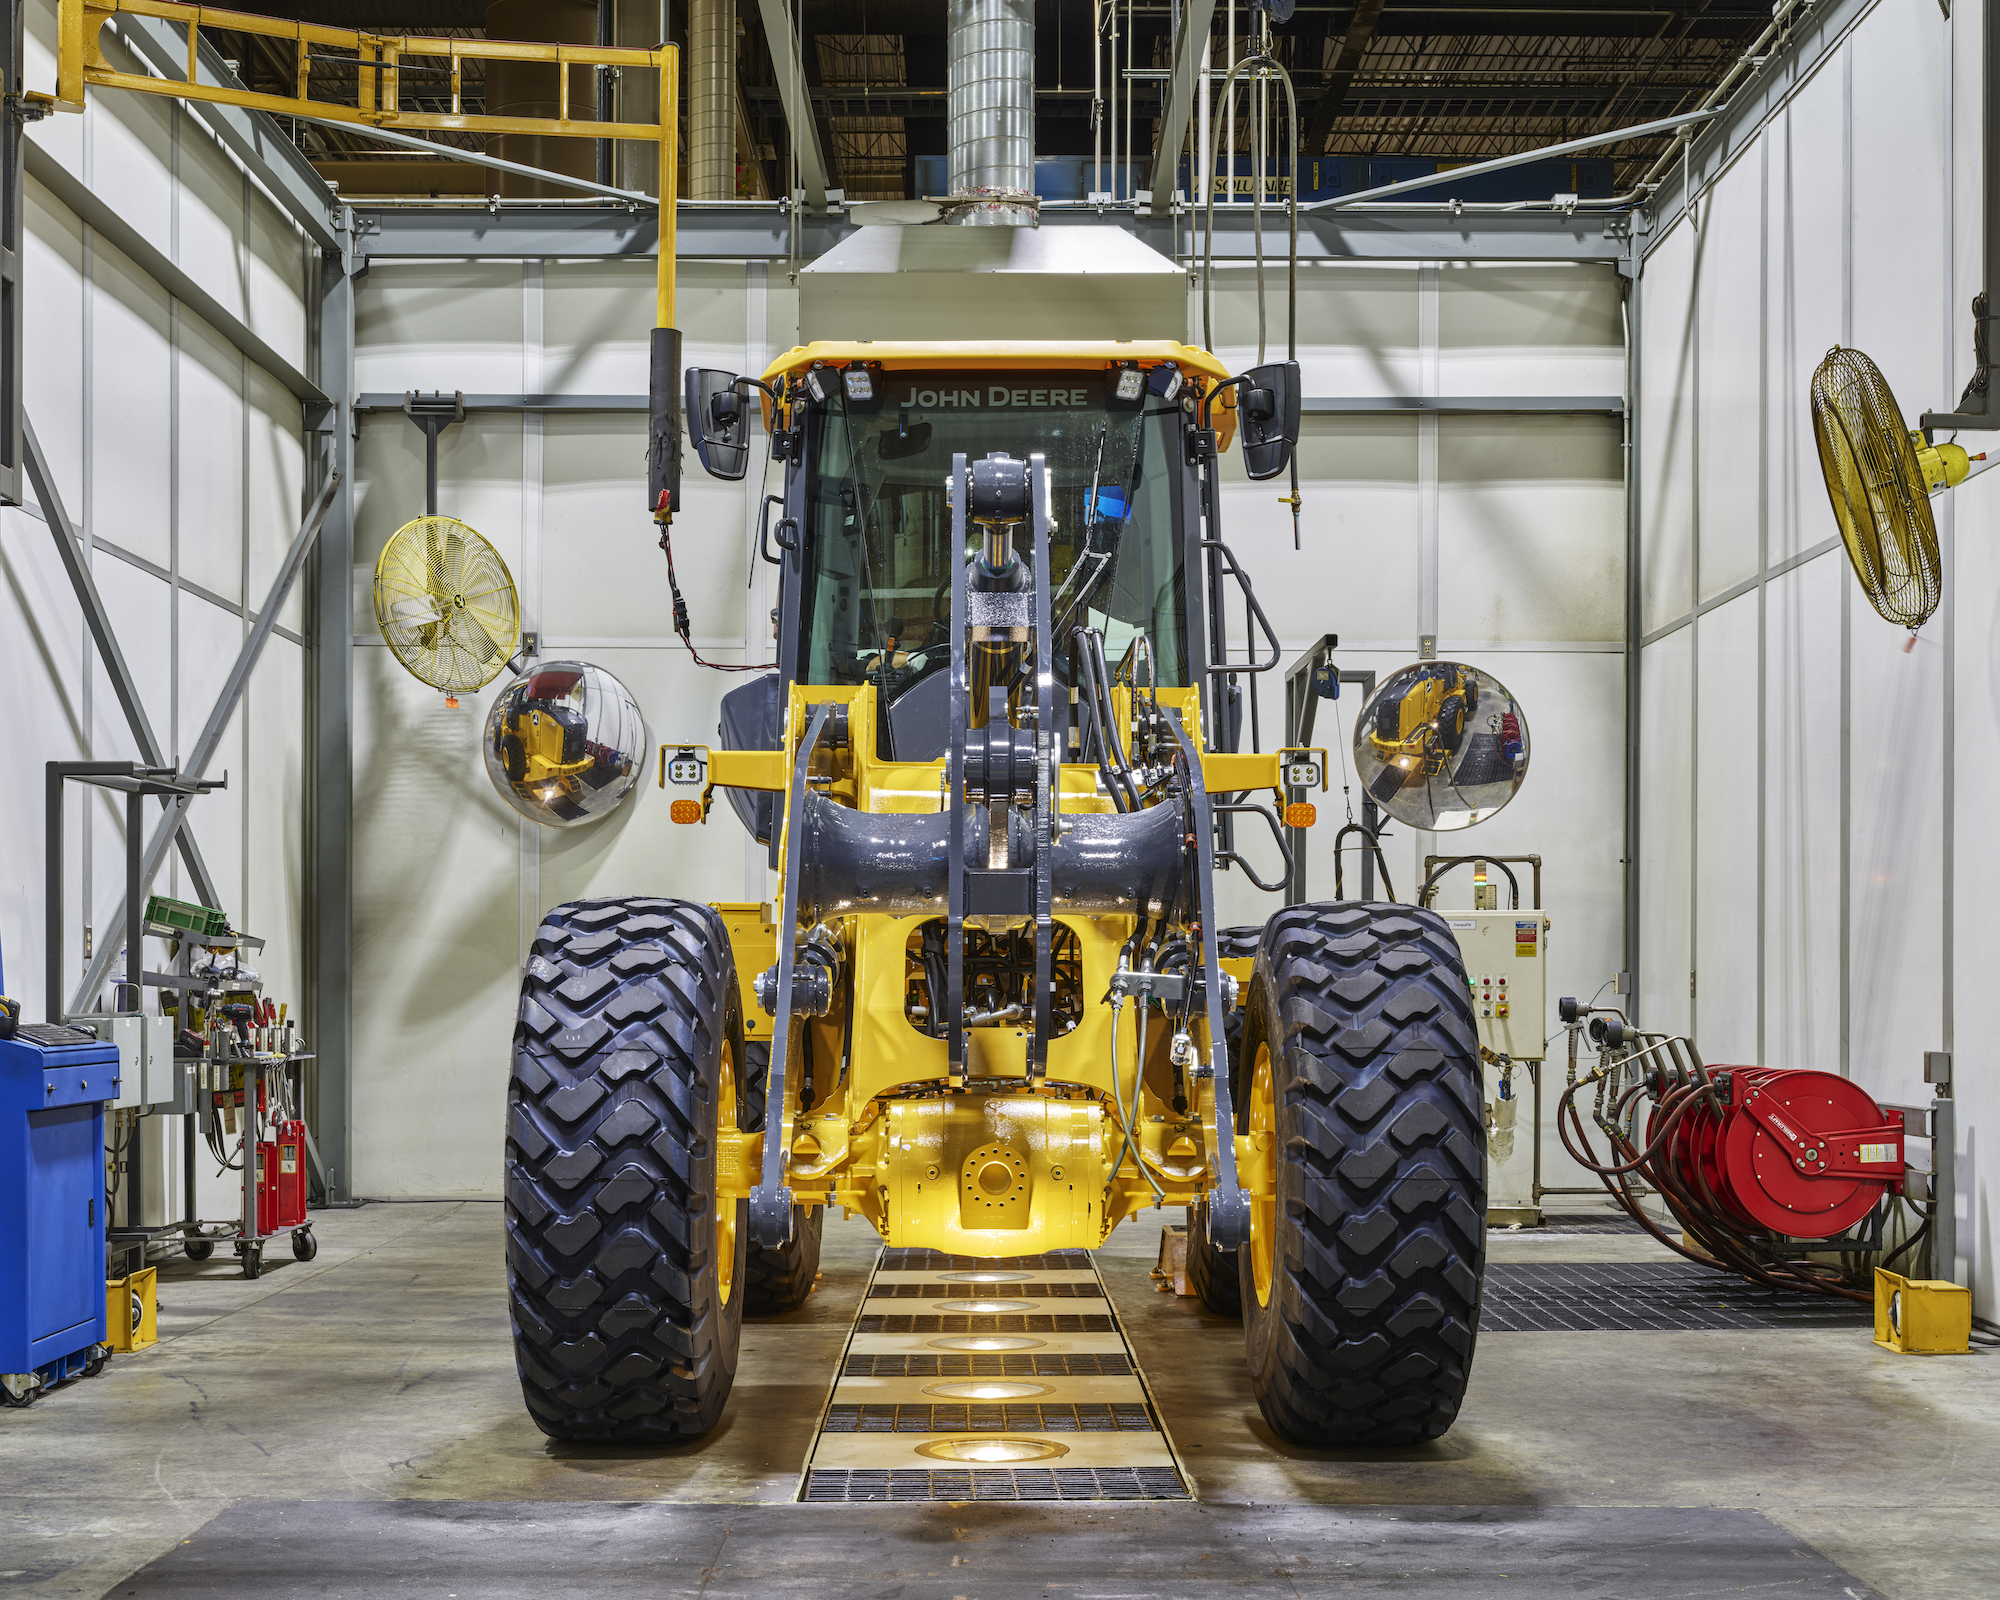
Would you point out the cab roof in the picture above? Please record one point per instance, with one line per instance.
(1016, 355)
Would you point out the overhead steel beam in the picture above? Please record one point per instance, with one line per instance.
(196, 766)
(762, 233)
(1360, 34)
(1190, 45)
(518, 402)
(788, 64)
(70, 548)
(1610, 405)
(253, 137)
(46, 170)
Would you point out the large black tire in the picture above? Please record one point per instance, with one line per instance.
(1360, 1328)
(621, 1270)
(776, 1277)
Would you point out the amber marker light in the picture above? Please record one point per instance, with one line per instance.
(685, 811)
(1301, 814)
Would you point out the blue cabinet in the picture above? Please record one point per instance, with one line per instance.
(53, 1085)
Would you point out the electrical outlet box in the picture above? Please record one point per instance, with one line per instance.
(1506, 959)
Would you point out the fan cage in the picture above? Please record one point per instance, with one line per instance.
(1876, 488)
(446, 605)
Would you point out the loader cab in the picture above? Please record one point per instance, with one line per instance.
(870, 600)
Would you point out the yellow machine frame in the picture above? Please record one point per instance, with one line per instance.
(1014, 1165)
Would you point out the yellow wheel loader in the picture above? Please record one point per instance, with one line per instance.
(989, 1008)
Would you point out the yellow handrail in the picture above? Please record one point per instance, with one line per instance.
(80, 63)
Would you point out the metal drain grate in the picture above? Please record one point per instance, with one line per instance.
(1055, 1322)
(998, 1483)
(938, 1261)
(1013, 1364)
(1613, 1296)
(1579, 1222)
(985, 1291)
(992, 1418)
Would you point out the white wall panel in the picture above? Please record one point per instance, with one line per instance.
(1359, 517)
(1666, 429)
(274, 490)
(1898, 225)
(1896, 865)
(208, 220)
(1358, 325)
(1730, 348)
(210, 640)
(1976, 931)
(1530, 329)
(276, 264)
(209, 479)
(1666, 831)
(1531, 536)
(129, 148)
(439, 325)
(41, 653)
(1802, 1003)
(131, 408)
(1808, 248)
(1726, 831)
(435, 946)
(52, 339)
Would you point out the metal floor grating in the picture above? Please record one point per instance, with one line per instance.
(997, 1483)
(1656, 1296)
(939, 1261)
(1012, 1364)
(1025, 1417)
(1580, 1222)
(985, 1291)
(1052, 1322)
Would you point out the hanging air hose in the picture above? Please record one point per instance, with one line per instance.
(1751, 1161)
(1268, 65)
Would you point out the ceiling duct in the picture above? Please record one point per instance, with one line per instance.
(712, 100)
(991, 110)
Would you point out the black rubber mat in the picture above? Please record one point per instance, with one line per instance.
(999, 1483)
(1650, 1296)
(1024, 1322)
(606, 1550)
(985, 1291)
(1025, 1417)
(1009, 1364)
(938, 1261)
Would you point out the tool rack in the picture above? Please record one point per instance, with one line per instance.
(272, 1067)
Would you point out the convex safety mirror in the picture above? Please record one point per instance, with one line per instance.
(1267, 418)
(1441, 745)
(718, 422)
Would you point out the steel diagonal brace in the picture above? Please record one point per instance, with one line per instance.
(1228, 1205)
(211, 733)
(771, 1200)
(70, 548)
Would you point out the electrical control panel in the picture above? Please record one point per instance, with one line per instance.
(1506, 956)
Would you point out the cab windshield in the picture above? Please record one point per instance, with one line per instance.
(877, 598)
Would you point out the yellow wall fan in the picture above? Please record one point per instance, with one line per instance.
(1880, 476)
(446, 605)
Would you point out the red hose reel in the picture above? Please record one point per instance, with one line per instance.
(1804, 1154)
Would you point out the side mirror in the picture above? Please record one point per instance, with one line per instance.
(718, 422)
(1267, 418)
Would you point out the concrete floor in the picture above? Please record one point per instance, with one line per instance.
(285, 1435)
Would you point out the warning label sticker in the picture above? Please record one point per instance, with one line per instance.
(288, 1158)
(1526, 938)
(1879, 1152)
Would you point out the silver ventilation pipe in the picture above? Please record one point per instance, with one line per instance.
(991, 131)
(711, 100)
